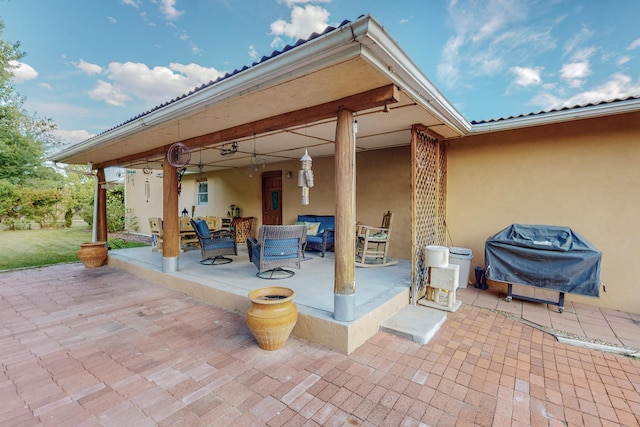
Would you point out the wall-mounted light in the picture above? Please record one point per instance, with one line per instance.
(289, 175)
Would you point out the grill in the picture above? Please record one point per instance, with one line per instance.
(543, 256)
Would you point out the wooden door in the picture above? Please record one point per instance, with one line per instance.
(272, 198)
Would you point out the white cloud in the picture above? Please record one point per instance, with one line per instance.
(253, 53)
(583, 35)
(486, 64)
(448, 66)
(634, 44)
(112, 20)
(87, 68)
(527, 76)
(134, 3)
(479, 41)
(583, 55)
(291, 3)
(619, 86)
(154, 85)
(304, 21)
(45, 85)
(168, 9)
(106, 92)
(22, 72)
(575, 72)
(73, 136)
(276, 43)
(623, 60)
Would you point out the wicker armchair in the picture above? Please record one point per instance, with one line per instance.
(277, 247)
(214, 245)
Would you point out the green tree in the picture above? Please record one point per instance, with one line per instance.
(30, 189)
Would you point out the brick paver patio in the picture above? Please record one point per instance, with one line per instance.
(93, 347)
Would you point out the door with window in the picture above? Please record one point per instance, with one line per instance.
(272, 198)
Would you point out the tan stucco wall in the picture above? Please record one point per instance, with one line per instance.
(583, 174)
(383, 183)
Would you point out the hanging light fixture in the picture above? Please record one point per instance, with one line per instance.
(256, 161)
(229, 149)
(201, 177)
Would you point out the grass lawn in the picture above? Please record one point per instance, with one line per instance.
(32, 248)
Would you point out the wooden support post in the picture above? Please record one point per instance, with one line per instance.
(171, 222)
(101, 226)
(345, 246)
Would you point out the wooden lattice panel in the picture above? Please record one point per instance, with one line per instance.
(429, 172)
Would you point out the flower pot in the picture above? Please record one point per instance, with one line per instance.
(92, 254)
(272, 316)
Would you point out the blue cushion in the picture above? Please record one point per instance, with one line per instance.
(280, 248)
(219, 244)
(202, 227)
(327, 222)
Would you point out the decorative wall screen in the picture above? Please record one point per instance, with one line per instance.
(429, 191)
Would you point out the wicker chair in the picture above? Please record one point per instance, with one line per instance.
(277, 247)
(214, 245)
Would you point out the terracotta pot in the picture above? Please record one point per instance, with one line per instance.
(272, 316)
(92, 254)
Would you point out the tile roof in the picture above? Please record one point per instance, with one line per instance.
(554, 110)
(265, 58)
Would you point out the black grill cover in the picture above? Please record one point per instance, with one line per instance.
(544, 256)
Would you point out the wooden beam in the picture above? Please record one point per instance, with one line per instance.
(363, 101)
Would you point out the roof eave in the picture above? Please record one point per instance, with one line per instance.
(384, 53)
(571, 114)
(329, 48)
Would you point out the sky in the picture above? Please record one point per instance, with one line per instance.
(91, 65)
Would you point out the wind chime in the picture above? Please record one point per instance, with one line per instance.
(147, 187)
(305, 177)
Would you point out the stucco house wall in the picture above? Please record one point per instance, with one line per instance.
(383, 180)
(582, 174)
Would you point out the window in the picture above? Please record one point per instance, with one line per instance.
(203, 193)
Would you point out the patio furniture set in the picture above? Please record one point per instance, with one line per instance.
(277, 247)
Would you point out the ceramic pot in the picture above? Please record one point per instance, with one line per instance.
(272, 316)
(92, 254)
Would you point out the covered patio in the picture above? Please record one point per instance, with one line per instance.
(348, 91)
(381, 291)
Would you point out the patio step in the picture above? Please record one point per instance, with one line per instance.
(415, 323)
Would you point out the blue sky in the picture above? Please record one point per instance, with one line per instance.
(93, 64)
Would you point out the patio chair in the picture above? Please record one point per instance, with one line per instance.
(214, 245)
(372, 244)
(277, 247)
(187, 236)
(155, 224)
